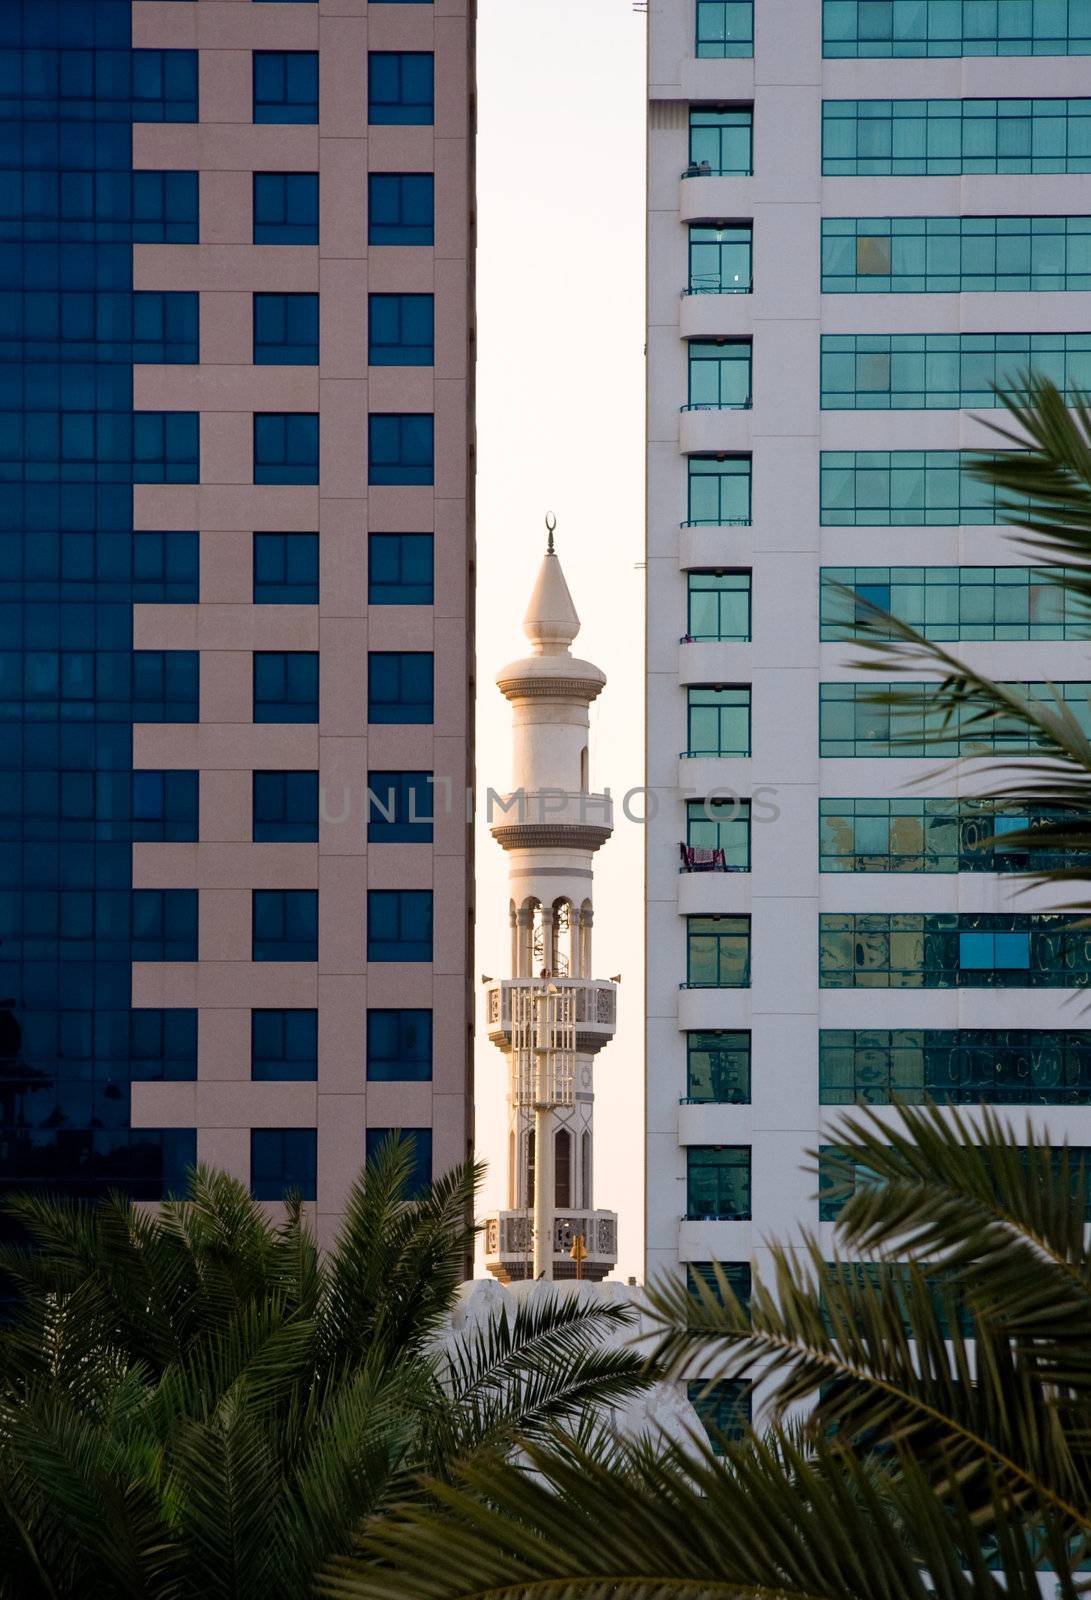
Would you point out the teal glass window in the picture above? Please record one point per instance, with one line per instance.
(165, 326)
(165, 806)
(285, 330)
(718, 720)
(400, 569)
(954, 255)
(882, 138)
(284, 1046)
(285, 808)
(956, 950)
(401, 447)
(166, 447)
(945, 371)
(283, 1161)
(401, 330)
(286, 569)
(721, 141)
(165, 207)
(725, 28)
(163, 1045)
(718, 1182)
(285, 685)
(737, 1273)
(901, 488)
(401, 87)
(399, 807)
(721, 259)
(905, 28)
(851, 724)
(400, 686)
(285, 208)
(165, 685)
(286, 447)
(946, 603)
(164, 924)
(718, 490)
(285, 85)
(718, 605)
(399, 925)
(285, 925)
(164, 85)
(399, 1046)
(724, 1408)
(401, 208)
(942, 835)
(720, 374)
(718, 1068)
(839, 1178)
(166, 567)
(717, 953)
(721, 825)
(957, 1066)
(420, 1177)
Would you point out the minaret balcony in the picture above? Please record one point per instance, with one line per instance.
(596, 1009)
(509, 1244)
(544, 819)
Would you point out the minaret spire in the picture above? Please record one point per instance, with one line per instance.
(551, 1017)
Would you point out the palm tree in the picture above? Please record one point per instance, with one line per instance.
(198, 1403)
(942, 1364)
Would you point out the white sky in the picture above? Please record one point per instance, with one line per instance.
(560, 421)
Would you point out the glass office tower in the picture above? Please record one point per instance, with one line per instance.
(236, 299)
(862, 214)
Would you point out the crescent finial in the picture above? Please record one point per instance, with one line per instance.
(551, 523)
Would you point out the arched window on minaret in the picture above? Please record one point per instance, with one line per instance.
(527, 939)
(585, 1171)
(562, 1155)
(585, 776)
(565, 952)
(513, 1198)
(530, 1168)
(584, 943)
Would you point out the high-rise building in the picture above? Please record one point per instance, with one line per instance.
(551, 1017)
(237, 529)
(862, 214)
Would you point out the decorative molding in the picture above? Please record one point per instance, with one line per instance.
(550, 836)
(550, 688)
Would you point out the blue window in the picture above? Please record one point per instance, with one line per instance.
(421, 1175)
(401, 330)
(285, 85)
(163, 1045)
(164, 85)
(286, 208)
(164, 924)
(718, 1182)
(285, 685)
(724, 1408)
(166, 567)
(165, 207)
(166, 685)
(399, 1046)
(400, 208)
(400, 569)
(285, 807)
(286, 569)
(165, 326)
(285, 330)
(992, 950)
(166, 447)
(401, 447)
(400, 87)
(286, 447)
(719, 490)
(283, 1160)
(165, 806)
(725, 28)
(399, 925)
(400, 686)
(285, 925)
(399, 807)
(284, 1046)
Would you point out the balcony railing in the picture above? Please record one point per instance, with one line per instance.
(717, 522)
(721, 405)
(716, 1216)
(716, 288)
(696, 858)
(705, 169)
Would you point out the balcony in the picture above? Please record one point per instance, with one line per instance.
(596, 1009)
(713, 546)
(711, 197)
(509, 1244)
(710, 430)
(713, 1008)
(711, 314)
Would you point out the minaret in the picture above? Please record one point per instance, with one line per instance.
(551, 1017)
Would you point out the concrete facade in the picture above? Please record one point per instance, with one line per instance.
(225, 147)
(783, 546)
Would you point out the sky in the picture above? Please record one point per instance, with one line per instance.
(560, 427)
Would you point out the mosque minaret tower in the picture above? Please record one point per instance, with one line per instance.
(551, 1017)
